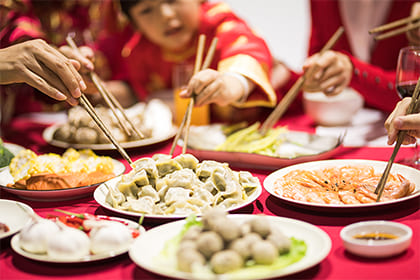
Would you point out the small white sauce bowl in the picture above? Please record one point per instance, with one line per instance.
(376, 248)
(332, 110)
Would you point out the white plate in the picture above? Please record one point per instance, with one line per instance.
(408, 172)
(305, 146)
(15, 243)
(49, 132)
(53, 195)
(101, 192)
(13, 216)
(148, 247)
(13, 148)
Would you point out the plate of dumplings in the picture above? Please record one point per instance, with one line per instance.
(165, 187)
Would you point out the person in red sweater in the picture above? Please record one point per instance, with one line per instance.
(356, 60)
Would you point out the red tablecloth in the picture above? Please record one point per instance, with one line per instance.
(339, 264)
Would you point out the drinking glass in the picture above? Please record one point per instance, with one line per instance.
(181, 75)
(408, 72)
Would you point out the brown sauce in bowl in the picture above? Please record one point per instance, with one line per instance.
(375, 236)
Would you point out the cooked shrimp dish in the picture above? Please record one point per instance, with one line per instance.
(351, 184)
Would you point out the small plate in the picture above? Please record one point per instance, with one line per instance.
(146, 250)
(298, 147)
(102, 191)
(53, 195)
(13, 216)
(376, 248)
(15, 243)
(49, 132)
(410, 173)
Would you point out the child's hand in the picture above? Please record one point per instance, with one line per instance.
(333, 72)
(397, 121)
(211, 86)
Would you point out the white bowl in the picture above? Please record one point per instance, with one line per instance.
(332, 110)
(376, 248)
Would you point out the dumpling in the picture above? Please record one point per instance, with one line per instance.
(157, 157)
(248, 182)
(148, 165)
(167, 166)
(149, 191)
(182, 207)
(109, 236)
(187, 161)
(114, 197)
(207, 167)
(176, 194)
(204, 195)
(142, 205)
(184, 178)
(68, 243)
(34, 236)
(127, 186)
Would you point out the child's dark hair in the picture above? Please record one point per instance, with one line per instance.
(127, 4)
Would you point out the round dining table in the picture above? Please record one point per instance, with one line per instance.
(339, 263)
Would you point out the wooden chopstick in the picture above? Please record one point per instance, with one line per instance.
(110, 99)
(206, 64)
(106, 95)
(284, 104)
(401, 135)
(197, 65)
(393, 24)
(397, 31)
(91, 111)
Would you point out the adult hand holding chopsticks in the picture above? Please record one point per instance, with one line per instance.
(398, 120)
(43, 67)
(332, 72)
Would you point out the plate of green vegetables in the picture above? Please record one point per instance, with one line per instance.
(243, 146)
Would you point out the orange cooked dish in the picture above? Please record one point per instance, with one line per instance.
(341, 185)
(54, 172)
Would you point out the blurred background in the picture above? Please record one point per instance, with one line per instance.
(288, 44)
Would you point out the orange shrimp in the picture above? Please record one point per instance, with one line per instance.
(341, 185)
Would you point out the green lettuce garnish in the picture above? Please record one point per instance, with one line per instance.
(5, 155)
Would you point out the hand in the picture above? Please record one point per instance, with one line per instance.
(85, 56)
(398, 120)
(414, 35)
(42, 67)
(211, 86)
(332, 72)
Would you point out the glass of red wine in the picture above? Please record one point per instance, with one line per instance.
(408, 72)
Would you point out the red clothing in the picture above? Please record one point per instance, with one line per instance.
(374, 80)
(239, 50)
(52, 21)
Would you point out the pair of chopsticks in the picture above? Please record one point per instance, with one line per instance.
(412, 108)
(110, 100)
(91, 110)
(186, 121)
(414, 22)
(294, 90)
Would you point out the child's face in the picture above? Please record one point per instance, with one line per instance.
(170, 24)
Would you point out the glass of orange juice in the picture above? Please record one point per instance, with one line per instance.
(180, 77)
